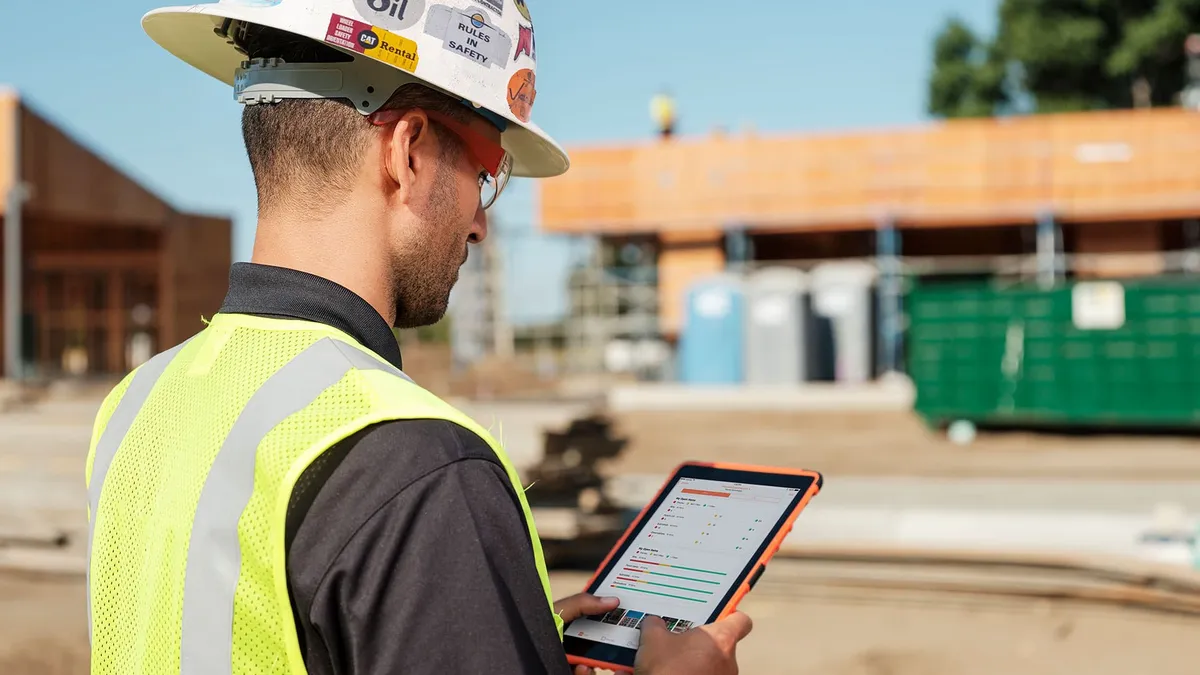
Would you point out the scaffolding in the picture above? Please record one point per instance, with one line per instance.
(611, 325)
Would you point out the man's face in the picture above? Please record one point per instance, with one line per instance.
(449, 218)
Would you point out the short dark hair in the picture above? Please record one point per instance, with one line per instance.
(305, 145)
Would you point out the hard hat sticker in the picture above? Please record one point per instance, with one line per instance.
(496, 6)
(372, 41)
(525, 43)
(393, 15)
(523, 9)
(469, 34)
(521, 93)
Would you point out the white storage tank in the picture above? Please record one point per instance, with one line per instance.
(776, 339)
(842, 293)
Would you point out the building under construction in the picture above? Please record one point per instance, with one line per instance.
(1110, 194)
(98, 272)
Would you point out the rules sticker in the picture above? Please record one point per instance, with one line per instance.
(469, 34)
(373, 42)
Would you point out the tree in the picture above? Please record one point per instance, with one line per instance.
(1064, 55)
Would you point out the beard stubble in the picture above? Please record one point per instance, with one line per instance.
(424, 275)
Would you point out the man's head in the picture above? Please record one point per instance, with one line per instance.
(363, 176)
(412, 170)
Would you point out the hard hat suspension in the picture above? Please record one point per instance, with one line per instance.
(271, 80)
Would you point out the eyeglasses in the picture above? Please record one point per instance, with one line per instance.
(497, 163)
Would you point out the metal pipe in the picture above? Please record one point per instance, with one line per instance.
(503, 339)
(12, 256)
(1048, 246)
(738, 253)
(887, 252)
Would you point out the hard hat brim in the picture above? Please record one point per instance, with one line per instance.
(187, 32)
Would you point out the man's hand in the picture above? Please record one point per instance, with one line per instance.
(705, 650)
(580, 605)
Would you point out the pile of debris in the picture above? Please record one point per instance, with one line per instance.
(577, 520)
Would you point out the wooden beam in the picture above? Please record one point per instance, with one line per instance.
(94, 260)
(116, 322)
(1099, 166)
(168, 295)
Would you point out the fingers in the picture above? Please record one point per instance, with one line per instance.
(584, 670)
(653, 624)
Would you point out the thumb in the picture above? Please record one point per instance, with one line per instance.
(732, 629)
(584, 604)
(588, 604)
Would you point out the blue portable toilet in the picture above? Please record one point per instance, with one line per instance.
(711, 343)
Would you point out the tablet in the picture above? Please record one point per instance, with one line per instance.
(690, 555)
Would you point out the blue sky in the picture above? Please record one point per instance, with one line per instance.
(804, 66)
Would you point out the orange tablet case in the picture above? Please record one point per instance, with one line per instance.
(760, 564)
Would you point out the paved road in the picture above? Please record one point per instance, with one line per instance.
(42, 457)
(43, 452)
(1150, 521)
(41, 485)
(976, 494)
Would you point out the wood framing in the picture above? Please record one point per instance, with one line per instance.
(1087, 167)
(105, 263)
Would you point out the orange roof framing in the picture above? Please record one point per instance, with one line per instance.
(1098, 166)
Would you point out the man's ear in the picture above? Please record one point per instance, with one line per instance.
(408, 151)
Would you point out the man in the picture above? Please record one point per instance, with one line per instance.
(274, 495)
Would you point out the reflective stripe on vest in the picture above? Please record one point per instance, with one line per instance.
(118, 425)
(214, 556)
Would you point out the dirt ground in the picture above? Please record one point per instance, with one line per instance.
(860, 443)
(893, 444)
(799, 630)
(807, 630)
(43, 625)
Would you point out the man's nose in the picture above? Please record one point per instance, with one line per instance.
(479, 227)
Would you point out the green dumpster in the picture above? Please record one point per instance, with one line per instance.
(1082, 354)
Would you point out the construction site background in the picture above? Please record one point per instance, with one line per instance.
(1045, 552)
(937, 547)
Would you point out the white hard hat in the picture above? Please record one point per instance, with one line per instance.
(480, 51)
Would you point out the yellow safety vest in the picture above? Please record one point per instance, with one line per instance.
(193, 459)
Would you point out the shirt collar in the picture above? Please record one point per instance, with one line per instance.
(280, 292)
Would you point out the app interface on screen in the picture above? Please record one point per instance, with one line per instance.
(686, 558)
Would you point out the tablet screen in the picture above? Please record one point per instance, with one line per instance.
(686, 557)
